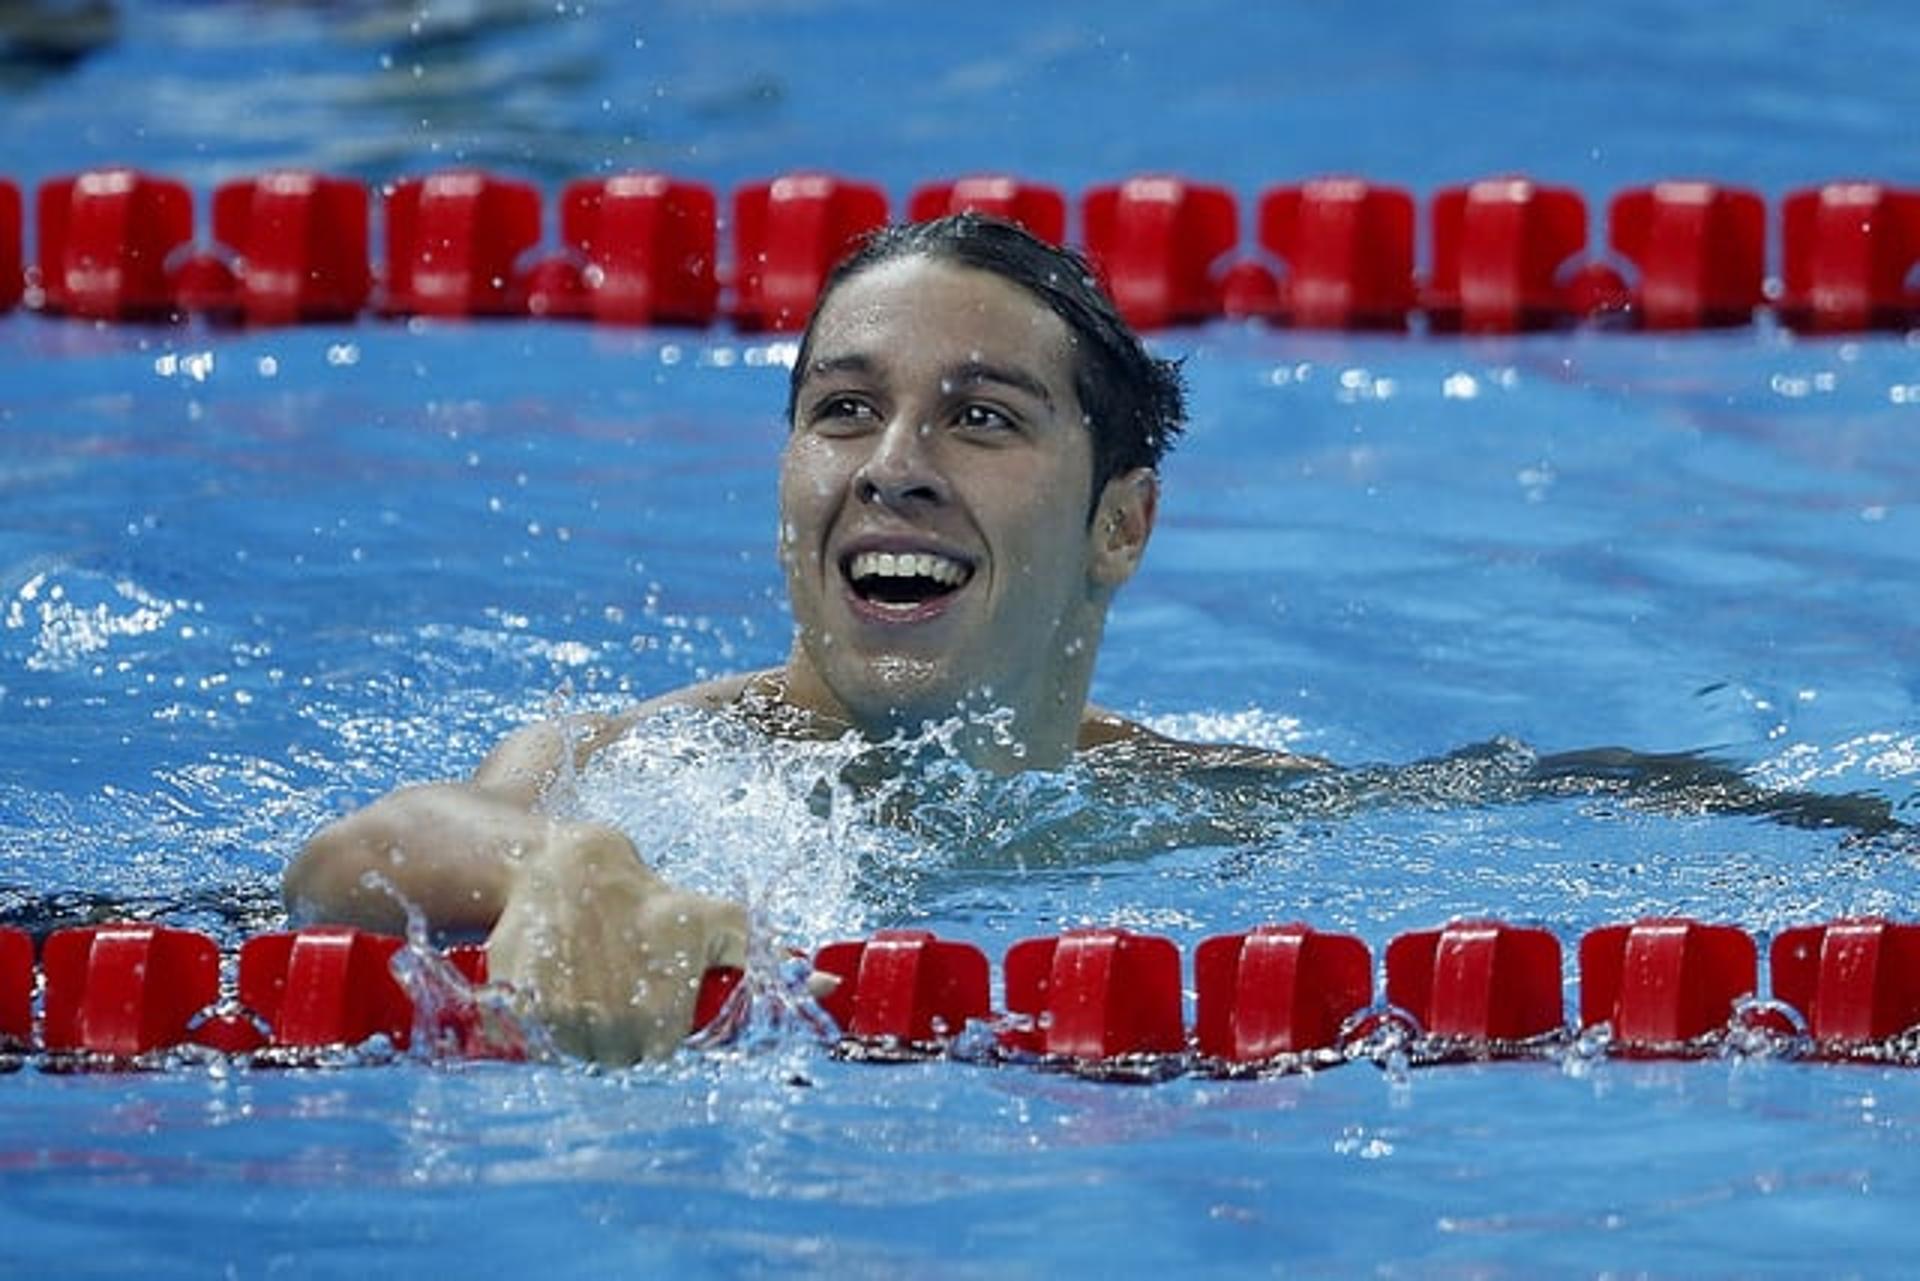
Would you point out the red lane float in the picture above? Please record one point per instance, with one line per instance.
(318, 987)
(1277, 989)
(16, 988)
(300, 240)
(12, 272)
(1276, 997)
(787, 235)
(905, 986)
(1348, 249)
(650, 244)
(106, 239)
(126, 990)
(1499, 248)
(1850, 249)
(454, 243)
(1042, 210)
(1154, 242)
(1700, 251)
(1095, 994)
(1857, 982)
(1664, 984)
(1482, 982)
(1507, 254)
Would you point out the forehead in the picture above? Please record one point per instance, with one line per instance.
(916, 313)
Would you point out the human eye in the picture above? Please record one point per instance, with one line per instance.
(977, 418)
(840, 412)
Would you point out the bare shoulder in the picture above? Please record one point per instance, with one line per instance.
(711, 696)
(1104, 732)
(526, 761)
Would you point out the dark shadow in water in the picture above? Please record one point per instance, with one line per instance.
(40, 39)
(1138, 800)
(229, 913)
(1694, 783)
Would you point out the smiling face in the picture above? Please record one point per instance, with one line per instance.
(934, 499)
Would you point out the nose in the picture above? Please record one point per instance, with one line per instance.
(902, 470)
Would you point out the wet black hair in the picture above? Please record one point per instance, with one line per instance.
(1134, 403)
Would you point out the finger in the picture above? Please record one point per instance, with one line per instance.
(589, 854)
(726, 927)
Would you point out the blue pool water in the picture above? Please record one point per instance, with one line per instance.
(250, 580)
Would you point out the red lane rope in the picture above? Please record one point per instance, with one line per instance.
(1273, 996)
(1504, 254)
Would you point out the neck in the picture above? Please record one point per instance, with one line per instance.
(1039, 730)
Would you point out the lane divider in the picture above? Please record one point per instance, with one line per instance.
(12, 269)
(1503, 254)
(1094, 994)
(1276, 997)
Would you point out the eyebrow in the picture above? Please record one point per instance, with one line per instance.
(974, 372)
(970, 373)
(827, 366)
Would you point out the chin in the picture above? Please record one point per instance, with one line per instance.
(902, 692)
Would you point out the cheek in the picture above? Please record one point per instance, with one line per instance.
(808, 490)
(811, 472)
(1046, 543)
(1053, 515)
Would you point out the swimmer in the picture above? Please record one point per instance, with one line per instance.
(970, 475)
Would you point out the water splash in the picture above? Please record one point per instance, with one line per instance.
(714, 806)
(827, 838)
(824, 838)
(71, 616)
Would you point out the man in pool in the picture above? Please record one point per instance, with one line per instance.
(970, 477)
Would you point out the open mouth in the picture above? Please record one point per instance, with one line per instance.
(905, 580)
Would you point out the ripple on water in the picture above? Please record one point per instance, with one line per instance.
(835, 838)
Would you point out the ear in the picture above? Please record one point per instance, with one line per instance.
(1122, 523)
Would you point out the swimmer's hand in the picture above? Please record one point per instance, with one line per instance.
(605, 954)
(598, 948)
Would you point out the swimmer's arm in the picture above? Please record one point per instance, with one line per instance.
(524, 765)
(447, 848)
(604, 953)
(452, 849)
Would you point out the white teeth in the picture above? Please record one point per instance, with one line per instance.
(941, 569)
